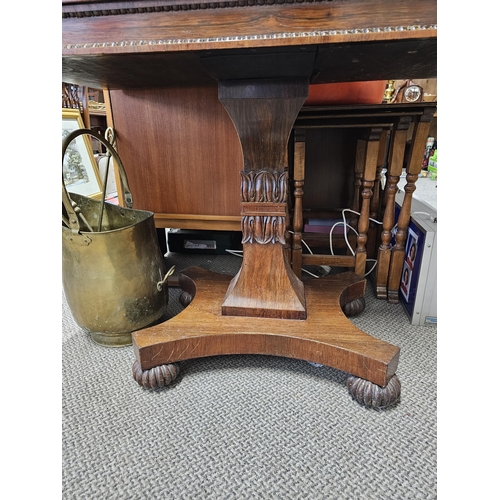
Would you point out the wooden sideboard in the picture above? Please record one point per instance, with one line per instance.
(189, 135)
(164, 62)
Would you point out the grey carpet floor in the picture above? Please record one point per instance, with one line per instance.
(247, 427)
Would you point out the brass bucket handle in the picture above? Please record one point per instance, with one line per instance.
(160, 284)
(72, 220)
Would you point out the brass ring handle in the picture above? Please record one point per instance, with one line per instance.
(110, 135)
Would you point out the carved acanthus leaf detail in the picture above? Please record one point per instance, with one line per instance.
(263, 229)
(263, 186)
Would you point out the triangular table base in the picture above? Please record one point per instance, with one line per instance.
(326, 336)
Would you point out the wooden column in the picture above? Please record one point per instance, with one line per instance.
(375, 206)
(299, 160)
(369, 174)
(263, 112)
(359, 166)
(394, 169)
(419, 139)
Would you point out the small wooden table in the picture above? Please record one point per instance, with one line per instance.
(369, 198)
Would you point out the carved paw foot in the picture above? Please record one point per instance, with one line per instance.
(159, 376)
(354, 307)
(372, 395)
(185, 299)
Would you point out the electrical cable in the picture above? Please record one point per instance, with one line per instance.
(373, 267)
(238, 253)
(345, 235)
(346, 225)
(345, 229)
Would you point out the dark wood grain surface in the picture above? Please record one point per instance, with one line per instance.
(355, 40)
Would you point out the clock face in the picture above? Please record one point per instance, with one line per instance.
(412, 93)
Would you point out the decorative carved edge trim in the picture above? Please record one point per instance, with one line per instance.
(98, 11)
(286, 35)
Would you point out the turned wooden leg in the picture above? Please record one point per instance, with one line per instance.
(373, 230)
(377, 188)
(298, 178)
(287, 247)
(419, 140)
(372, 395)
(359, 167)
(394, 170)
(369, 173)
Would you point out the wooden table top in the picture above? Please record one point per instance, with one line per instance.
(162, 43)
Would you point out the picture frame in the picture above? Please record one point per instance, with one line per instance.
(80, 170)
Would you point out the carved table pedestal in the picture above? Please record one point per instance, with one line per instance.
(266, 308)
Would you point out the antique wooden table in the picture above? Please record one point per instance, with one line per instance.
(263, 54)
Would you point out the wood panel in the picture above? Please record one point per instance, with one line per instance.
(329, 160)
(188, 159)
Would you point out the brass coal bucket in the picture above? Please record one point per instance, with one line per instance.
(114, 274)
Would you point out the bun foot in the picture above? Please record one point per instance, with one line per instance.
(372, 395)
(159, 376)
(354, 307)
(185, 299)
